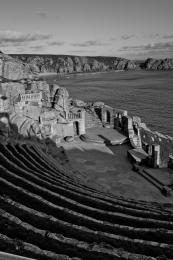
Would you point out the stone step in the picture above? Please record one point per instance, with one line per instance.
(138, 155)
(43, 204)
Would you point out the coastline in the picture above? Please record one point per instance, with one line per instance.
(68, 75)
(49, 74)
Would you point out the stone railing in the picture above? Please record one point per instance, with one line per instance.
(119, 112)
(31, 97)
(73, 116)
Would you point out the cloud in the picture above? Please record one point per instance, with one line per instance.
(81, 51)
(42, 14)
(154, 35)
(36, 47)
(12, 37)
(156, 50)
(127, 37)
(123, 37)
(167, 36)
(157, 35)
(88, 44)
(114, 39)
(149, 47)
(55, 43)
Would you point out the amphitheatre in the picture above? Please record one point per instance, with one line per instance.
(79, 180)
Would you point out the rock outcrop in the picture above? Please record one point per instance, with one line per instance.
(34, 107)
(123, 64)
(158, 64)
(13, 69)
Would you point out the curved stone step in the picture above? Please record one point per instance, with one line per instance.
(18, 162)
(61, 244)
(22, 248)
(83, 219)
(104, 206)
(43, 220)
(127, 201)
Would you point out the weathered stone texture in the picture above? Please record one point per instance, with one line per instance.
(15, 71)
(158, 64)
(12, 90)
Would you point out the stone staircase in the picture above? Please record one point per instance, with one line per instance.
(92, 119)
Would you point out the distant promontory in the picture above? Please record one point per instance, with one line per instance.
(64, 64)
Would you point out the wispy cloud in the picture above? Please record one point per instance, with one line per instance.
(149, 47)
(42, 14)
(88, 44)
(81, 51)
(36, 47)
(12, 37)
(123, 37)
(114, 39)
(55, 43)
(167, 36)
(160, 36)
(127, 36)
(153, 35)
(156, 50)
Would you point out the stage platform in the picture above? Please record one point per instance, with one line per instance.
(105, 135)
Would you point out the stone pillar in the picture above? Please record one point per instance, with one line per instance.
(1, 67)
(170, 161)
(111, 118)
(130, 127)
(120, 120)
(125, 113)
(82, 124)
(104, 119)
(149, 149)
(116, 122)
(155, 155)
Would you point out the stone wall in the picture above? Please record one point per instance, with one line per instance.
(158, 146)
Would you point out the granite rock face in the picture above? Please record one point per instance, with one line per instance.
(12, 69)
(70, 64)
(158, 64)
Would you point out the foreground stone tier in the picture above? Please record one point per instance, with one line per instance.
(47, 212)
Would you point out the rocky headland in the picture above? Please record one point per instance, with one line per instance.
(64, 64)
(158, 64)
(73, 64)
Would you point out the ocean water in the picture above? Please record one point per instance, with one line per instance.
(145, 94)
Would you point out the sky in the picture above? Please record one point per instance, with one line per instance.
(133, 29)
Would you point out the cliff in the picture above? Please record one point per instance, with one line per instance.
(14, 69)
(158, 64)
(71, 64)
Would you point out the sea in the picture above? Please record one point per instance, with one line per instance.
(147, 94)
